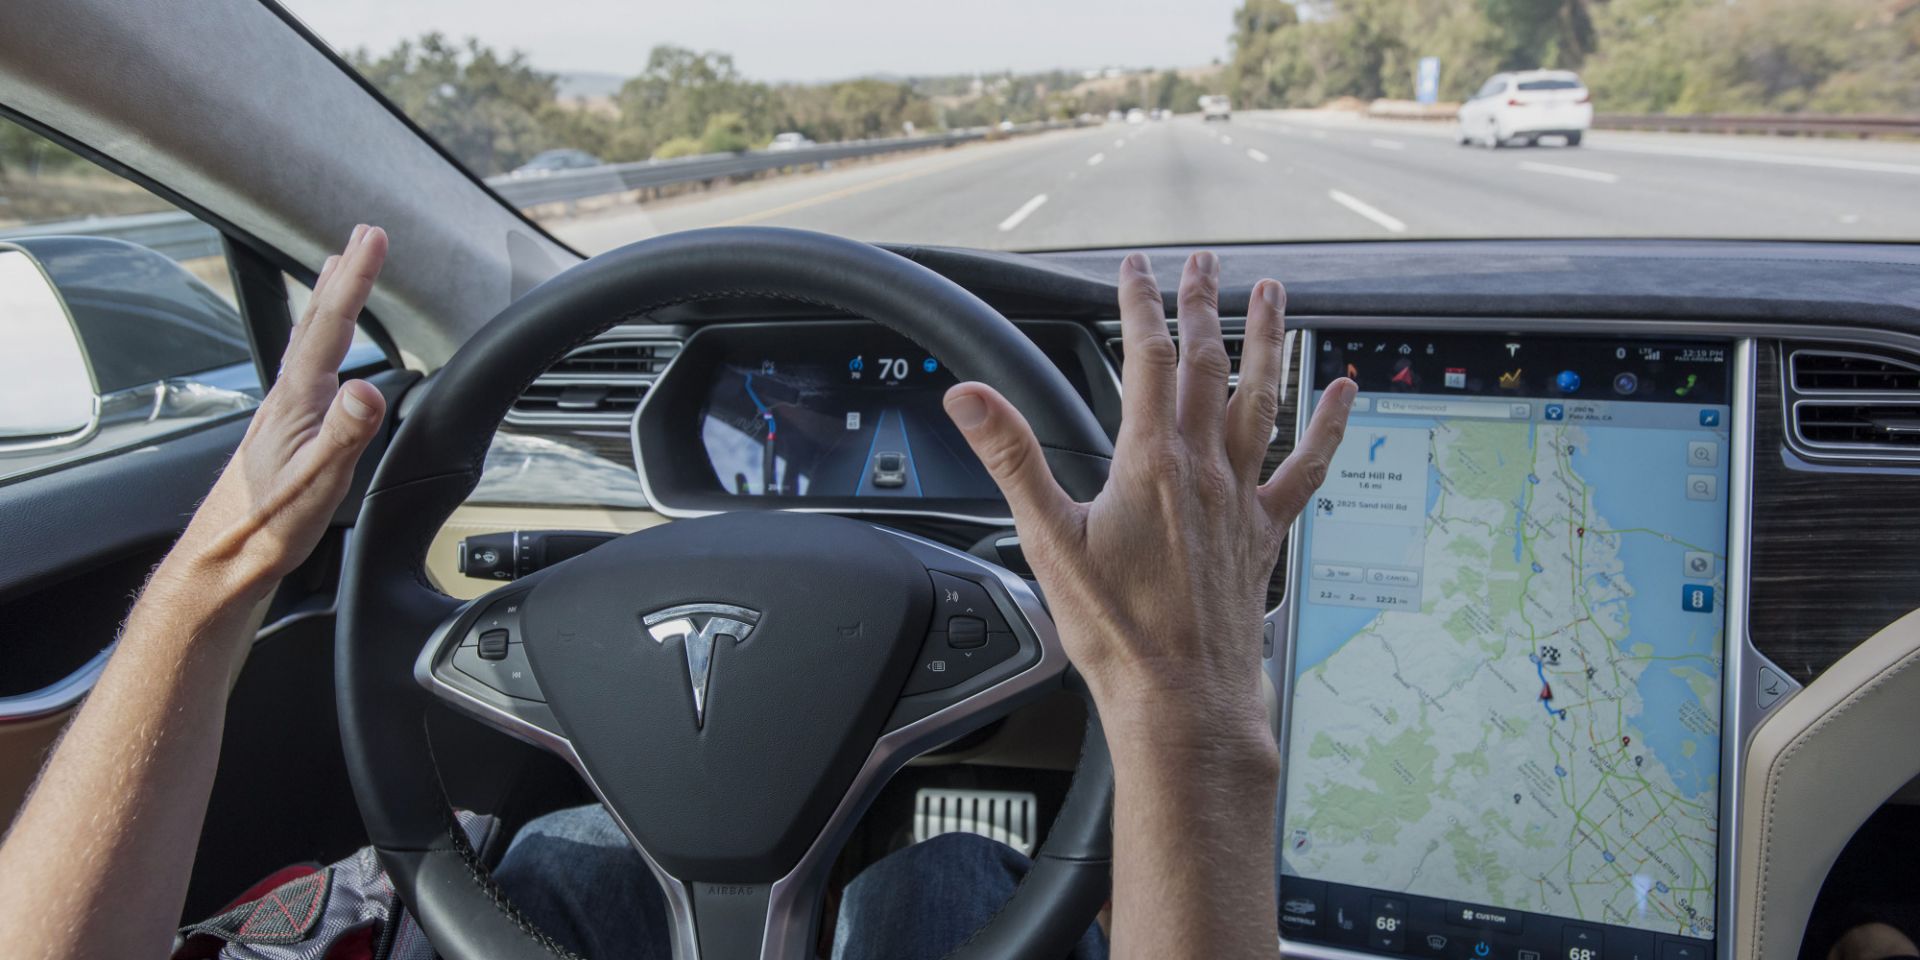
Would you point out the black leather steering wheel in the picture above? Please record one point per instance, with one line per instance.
(807, 629)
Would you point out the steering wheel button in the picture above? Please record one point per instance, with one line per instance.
(511, 675)
(493, 645)
(957, 597)
(966, 633)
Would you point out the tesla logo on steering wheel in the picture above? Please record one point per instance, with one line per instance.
(697, 626)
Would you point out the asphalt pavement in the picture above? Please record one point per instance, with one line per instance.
(1315, 175)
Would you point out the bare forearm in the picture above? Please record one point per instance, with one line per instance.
(1193, 838)
(98, 860)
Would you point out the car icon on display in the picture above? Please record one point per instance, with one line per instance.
(890, 469)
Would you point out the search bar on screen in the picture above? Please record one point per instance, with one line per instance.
(1477, 410)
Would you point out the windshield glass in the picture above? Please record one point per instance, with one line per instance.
(1106, 123)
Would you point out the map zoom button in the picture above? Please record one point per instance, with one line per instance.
(1702, 486)
(1579, 943)
(1387, 928)
(1336, 571)
(1484, 918)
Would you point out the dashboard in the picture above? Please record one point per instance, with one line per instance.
(1595, 518)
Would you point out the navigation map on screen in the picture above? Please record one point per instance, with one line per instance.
(1507, 666)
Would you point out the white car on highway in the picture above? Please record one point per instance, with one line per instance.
(1216, 107)
(1525, 106)
(791, 140)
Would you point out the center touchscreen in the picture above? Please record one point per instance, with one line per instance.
(1503, 737)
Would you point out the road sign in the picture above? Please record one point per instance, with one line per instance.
(1426, 80)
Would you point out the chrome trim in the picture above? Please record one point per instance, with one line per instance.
(681, 513)
(59, 695)
(1741, 662)
(723, 619)
(679, 903)
(64, 693)
(791, 920)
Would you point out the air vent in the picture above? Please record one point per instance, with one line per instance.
(1842, 423)
(1828, 371)
(1850, 403)
(1234, 342)
(599, 384)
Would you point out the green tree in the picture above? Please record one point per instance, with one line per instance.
(490, 111)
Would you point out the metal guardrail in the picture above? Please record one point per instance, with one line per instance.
(568, 185)
(181, 236)
(1782, 124)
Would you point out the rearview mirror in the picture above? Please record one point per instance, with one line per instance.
(48, 398)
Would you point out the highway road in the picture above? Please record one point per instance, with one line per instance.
(1314, 175)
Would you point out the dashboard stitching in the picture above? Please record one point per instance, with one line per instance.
(1775, 769)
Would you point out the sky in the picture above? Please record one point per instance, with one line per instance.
(777, 40)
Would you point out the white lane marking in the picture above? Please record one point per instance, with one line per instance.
(1385, 144)
(1226, 140)
(1781, 159)
(1026, 210)
(1371, 212)
(1094, 160)
(1317, 134)
(1578, 173)
(1257, 156)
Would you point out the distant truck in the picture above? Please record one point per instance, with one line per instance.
(1216, 106)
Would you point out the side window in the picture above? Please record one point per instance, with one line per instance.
(1492, 88)
(137, 292)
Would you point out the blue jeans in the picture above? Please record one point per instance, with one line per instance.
(574, 875)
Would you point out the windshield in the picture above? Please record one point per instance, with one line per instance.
(1108, 123)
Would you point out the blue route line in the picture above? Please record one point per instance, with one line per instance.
(766, 413)
(1541, 670)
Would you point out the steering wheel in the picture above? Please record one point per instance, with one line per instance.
(737, 688)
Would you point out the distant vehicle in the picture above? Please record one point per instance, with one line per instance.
(890, 469)
(1006, 126)
(1215, 107)
(1115, 116)
(790, 141)
(1157, 114)
(1525, 106)
(548, 162)
(1136, 115)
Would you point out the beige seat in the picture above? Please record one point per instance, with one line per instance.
(1816, 769)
